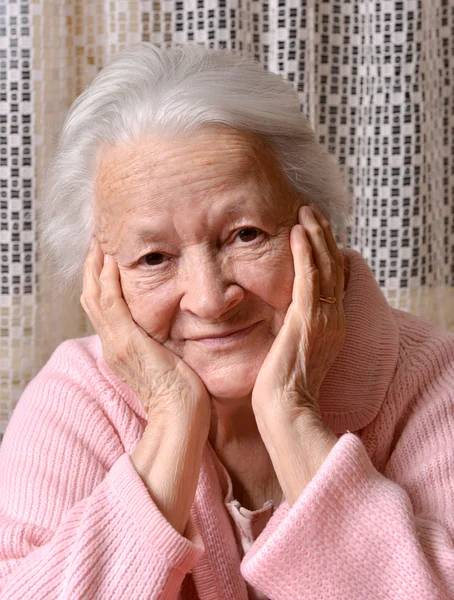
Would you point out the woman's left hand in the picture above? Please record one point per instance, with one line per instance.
(285, 394)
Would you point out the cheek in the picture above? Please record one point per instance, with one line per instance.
(270, 278)
(150, 307)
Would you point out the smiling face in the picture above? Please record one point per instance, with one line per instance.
(199, 227)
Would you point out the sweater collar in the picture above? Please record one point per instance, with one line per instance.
(356, 385)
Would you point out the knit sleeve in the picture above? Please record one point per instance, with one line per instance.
(76, 520)
(356, 533)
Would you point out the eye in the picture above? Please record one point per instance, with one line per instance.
(154, 258)
(248, 234)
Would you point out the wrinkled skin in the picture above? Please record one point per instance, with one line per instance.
(191, 197)
(202, 234)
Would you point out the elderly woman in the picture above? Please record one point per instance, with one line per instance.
(230, 432)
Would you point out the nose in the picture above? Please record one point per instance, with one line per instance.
(208, 293)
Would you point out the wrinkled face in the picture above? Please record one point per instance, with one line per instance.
(199, 227)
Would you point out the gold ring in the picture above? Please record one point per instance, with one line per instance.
(328, 299)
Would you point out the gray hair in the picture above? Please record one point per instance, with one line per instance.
(147, 89)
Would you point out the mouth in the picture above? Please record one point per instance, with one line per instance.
(225, 337)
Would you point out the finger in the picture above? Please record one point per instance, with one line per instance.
(306, 281)
(334, 249)
(126, 335)
(90, 298)
(324, 261)
(115, 311)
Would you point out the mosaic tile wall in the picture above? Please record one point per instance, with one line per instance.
(375, 78)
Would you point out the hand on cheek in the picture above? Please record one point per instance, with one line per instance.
(285, 394)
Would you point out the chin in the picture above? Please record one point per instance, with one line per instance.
(229, 373)
(232, 384)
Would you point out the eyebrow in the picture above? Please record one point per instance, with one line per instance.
(235, 209)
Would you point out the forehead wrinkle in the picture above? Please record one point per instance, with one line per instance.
(112, 189)
(149, 190)
(228, 140)
(203, 178)
(149, 158)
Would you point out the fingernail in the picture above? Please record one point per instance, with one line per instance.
(106, 258)
(299, 230)
(302, 211)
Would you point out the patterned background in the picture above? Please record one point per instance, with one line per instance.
(375, 79)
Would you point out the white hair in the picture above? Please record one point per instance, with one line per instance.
(147, 89)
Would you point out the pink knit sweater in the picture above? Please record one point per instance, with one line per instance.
(377, 521)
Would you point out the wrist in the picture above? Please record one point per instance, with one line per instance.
(168, 461)
(298, 444)
(182, 419)
(167, 434)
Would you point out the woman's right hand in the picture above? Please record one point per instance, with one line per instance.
(178, 404)
(161, 380)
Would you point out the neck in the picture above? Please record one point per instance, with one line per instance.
(235, 438)
(232, 423)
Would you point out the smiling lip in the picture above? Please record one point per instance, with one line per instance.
(224, 338)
